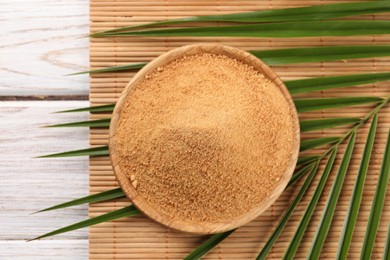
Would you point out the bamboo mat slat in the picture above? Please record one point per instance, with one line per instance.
(141, 238)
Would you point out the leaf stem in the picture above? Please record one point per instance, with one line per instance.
(372, 113)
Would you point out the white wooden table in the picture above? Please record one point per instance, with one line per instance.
(40, 42)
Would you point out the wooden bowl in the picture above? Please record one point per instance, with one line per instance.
(224, 225)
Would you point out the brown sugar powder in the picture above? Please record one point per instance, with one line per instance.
(205, 138)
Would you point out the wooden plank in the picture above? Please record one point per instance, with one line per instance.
(45, 250)
(29, 184)
(40, 43)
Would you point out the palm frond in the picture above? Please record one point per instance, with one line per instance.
(116, 214)
(98, 197)
(209, 244)
(287, 214)
(105, 122)
(377, 204)
(95, 151)
(302, 160)
(323, 83)
(309, 13)
(318, 124)
(92, 109)
(320, 54)
(288, 56)
(271, 30)
(353, 208)
(132, 66)
(317, 142)
(296, 239)
(386, 251)
(331, 203)
(313, 104)
(302, 172)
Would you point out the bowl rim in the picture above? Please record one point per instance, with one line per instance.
(206, 227)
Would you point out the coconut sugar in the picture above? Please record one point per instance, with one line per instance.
(205, 138)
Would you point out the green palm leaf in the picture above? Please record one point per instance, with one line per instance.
(208, 245)
(331, 203)
(282, 223)
(272, 30)
(309, 13)
(324, 83)
(386, 251)
(353, 208)
(302, 160)
(92, 109)
(377, 204)
(320, 54)
(295, 241)
(90, 123)
(95, 151)
(132, 66)
(301, 172)
(98, 197)
(116, 214)
(312, 104)
(289, 56)
(317, 124)
(314, 143)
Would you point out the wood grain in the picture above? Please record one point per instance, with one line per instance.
(29, 184)
(44, 250)
(40, 43)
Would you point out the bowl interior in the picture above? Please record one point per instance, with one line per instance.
(224, 224)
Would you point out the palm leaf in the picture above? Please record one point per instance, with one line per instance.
(120, 213)
(295, 241)
(301, 172)
(289, 56)
(309, 13)
(302, 160)
(95, 151)
(377, 204)
(132, 66)
(90, 123)
(312, 104)
(353, 208)
(331, 203)
(386, 251)
(98, 197)
(208, 245)
(104, 108)
(282, 223)
(320, 54)
(317, 124)
(272, 30)
(324, 83)
(314, 143)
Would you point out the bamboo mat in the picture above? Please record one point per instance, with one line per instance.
(141, 238)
